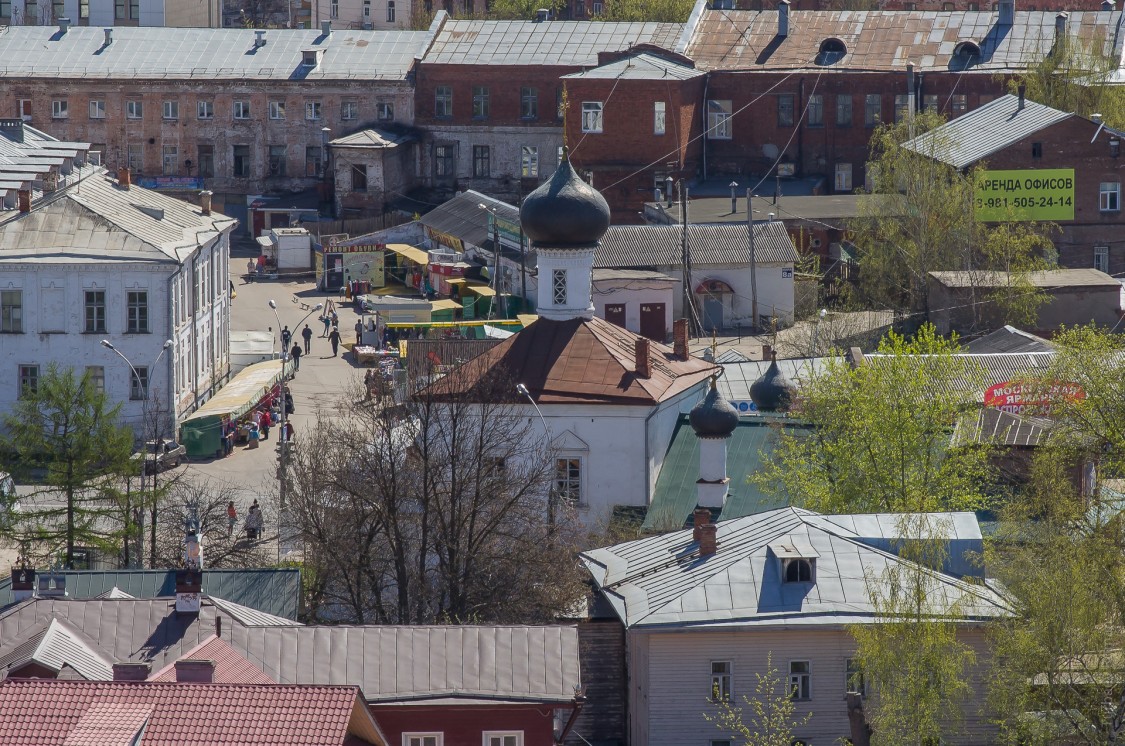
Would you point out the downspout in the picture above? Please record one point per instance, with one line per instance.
(173, 359)
(579, 700)
(706, 85)
(800, 129)
(648, 477)
(213, 269)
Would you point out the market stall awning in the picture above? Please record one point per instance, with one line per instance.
(456, 281)
(413, 253)
(527, 319)
(242, 393)
(482, 290)
(445, 304)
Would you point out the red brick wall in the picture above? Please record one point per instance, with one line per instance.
(503, 82)
(462, 725)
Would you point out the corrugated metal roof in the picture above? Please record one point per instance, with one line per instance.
(625, 246)
(462, 217)
(1008, 339)
(400, 663)
(981, 132)
(1051, 278)
(251, 617)
(640, 67)
(887, 40)
(154, 52)
(270, 591)
(661, 581)
(231, 667)
(54, 644)
(542, 43)
(989, 425)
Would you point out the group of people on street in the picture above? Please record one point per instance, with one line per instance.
(254, 521)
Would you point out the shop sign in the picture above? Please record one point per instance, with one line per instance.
(1031, 397)
(1045, 194)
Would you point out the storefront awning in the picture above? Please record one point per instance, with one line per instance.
(242, 393)
(482, 290)
(413, 253)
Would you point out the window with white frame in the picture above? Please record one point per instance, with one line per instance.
(349, 110)
(29, 380)
(853, 677)
(1101, 258)
(568, 475)
(529, 102)
(277, 110)
(366, 8)
(720, 681)
(171, 160)
(493, 738)
(800, 679)
(814, 115)
(95, 378)
(385, 111)
(659, 118)
(480, 102)
(171, 110)
(558, 287)
(205, 110)
(241, 109)
(390, 11)
(592, 120)
(718, 120)
(1109, 196)
(97, 108)
(443, 101)
(312, 110)
(60, 108)
(11, 311)
(529, 161)
(135, 157)
(422, 739)
(95, 311)
(138, 383)
(959, 104)
(134, 109)
(334, 10)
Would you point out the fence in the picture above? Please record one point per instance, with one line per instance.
(357, 226)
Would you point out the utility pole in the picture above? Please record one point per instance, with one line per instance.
(688, 305)
(753, 261)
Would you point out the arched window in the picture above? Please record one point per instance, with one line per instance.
(965, 54)
(831, 51)
(798, 571)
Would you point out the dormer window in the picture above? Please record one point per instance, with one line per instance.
(965, 54)
(310, 57)
(831, 52)
(796, 559)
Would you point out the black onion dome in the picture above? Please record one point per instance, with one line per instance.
(773, 391)
(714, 416)
(564, 211)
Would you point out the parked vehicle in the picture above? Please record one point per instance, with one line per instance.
(166, 454)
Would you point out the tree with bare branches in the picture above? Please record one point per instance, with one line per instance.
(205, 503)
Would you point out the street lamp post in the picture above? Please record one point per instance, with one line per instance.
(733, 197)
(495, 254)
(522, 390)
(282, 444)
(144, 440)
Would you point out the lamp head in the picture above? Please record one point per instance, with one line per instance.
(318, 306)
(273, 304)
(168, 344)
(520, 388)
(106, 344)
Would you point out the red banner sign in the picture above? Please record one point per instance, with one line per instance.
(1018, 397)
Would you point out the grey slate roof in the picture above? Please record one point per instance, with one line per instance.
(626, 246)
(270, 591)
(96, 219)
(409, 663)
(661, 581)
(640, 67)
(205, 54)
(1051, 278)
(371, 138)
(462, 217)
(1008, 339)
(887, 40)
(974, 136)
(542, 43)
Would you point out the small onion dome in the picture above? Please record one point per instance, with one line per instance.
(714, 416)
(565, 211)
(773, 391)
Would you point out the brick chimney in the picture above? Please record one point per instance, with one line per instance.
(708, 541)
(205, 201)
(195, 671)
(680, 338)
(23, 583)
(24, 198)
(700, 517)
(643, 358)
(131, 671)
(767, 352)
(854, 356)
(124, 177)
(783, 18)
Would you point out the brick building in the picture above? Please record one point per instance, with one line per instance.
(1024, 140)
(610, 106)
(178, 13)
(489, 97)
(234, 111)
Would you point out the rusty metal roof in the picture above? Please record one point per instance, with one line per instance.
(887, 40)
(625, 246)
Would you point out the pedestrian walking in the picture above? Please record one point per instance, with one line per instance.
(327, 320)
(232, 518)
(334, 338)
(359, 332)
(264, 423)
(296, 353)
(254, 522)
(251, 268)
(335, 318)
(286, 335)
(306, 333)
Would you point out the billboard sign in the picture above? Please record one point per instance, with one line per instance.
(1032, 397)
(1044, 194)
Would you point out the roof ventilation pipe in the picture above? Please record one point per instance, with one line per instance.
(783, 18)
(259, 38)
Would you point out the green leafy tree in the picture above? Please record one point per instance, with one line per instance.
(879, 434)
(1075, 76)
(666, 11)
(913, 653)
(65, 433)
(768, 718)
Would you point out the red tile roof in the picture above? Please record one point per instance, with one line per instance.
(576, 362)
(37, 712)
(231, 667)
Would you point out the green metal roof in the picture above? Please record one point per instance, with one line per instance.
(273, 591)
(674, 498)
